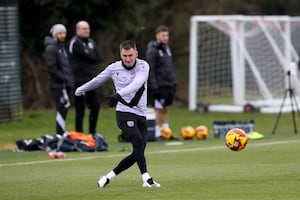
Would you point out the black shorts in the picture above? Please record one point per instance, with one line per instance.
(131, 124)
(164, 98)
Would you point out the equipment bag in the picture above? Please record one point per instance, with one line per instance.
(77, 141)
(44, 143)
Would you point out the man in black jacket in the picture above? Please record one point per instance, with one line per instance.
(59, 73)
(162, 83)
(84, 57)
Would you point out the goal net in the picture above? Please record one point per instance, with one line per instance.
(237, 60)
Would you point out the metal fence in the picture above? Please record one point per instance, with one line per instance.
(10, 77)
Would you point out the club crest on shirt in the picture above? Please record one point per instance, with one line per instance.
(122, 78)
(130, 123)
(161, 53)
(91, 46)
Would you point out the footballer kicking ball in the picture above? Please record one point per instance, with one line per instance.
(187, 132)
(236, 139)
(165, 133)
(201, 132)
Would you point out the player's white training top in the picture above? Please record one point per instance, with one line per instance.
(127, 82)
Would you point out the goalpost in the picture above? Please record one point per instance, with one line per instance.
(237, 60)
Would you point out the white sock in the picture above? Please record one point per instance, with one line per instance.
(157, 131)
(145, 176)
(111, 175)
(165, 125)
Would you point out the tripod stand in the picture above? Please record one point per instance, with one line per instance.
(293, 101)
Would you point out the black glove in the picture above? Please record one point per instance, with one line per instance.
(113, 100)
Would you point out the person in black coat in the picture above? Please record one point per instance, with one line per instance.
(59, 73)
(162, 82)
(84, 57)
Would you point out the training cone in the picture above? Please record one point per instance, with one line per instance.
(254, 135)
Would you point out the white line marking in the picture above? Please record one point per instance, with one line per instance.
(152, 152)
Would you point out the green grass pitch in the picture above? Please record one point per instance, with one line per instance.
(266, 169)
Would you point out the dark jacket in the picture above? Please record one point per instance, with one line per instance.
(58, 66)
(84, 57)
(160, 60)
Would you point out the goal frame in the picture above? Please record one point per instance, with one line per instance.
(239, 57)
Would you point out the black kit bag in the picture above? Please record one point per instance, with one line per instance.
(44, 143)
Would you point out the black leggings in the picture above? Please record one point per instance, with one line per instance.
(134, 128)
(61, 110)
(91, 100)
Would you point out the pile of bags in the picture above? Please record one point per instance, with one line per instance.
(70, 141)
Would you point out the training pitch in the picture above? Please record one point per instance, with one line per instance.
(265, 169)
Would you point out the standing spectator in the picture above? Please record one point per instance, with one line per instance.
(59, 73)
(84, 57)
(129, 76)
(162, 83)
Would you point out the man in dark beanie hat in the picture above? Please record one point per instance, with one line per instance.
(59, 73)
